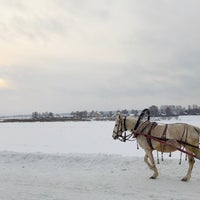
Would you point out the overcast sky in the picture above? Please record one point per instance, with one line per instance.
(68, 55)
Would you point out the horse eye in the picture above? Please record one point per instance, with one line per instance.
(115, 125)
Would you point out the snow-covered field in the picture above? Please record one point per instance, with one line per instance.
(80, 160)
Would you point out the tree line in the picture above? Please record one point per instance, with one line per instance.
(162, 111)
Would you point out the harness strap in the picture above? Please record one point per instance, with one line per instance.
(141, 128)
(125, 129)
(169, 144)
(152, 126)
(164, 132)
(185, 133)
(149, 126)
(163, 137)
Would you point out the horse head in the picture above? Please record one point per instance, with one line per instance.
(118, 128)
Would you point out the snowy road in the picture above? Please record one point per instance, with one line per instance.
(91, 176)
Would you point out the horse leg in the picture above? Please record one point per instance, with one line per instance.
(151, 165)
(146, 161)
(191, 162)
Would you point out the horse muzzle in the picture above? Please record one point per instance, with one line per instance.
(115, 136)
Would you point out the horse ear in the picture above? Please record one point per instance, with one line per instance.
(118, 115)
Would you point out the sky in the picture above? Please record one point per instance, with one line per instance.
(69, 55)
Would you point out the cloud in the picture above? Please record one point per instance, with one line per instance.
(89, 30)
(103, 54)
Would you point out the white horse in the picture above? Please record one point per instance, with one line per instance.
(179, 135)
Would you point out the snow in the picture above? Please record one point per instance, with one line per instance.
(62, 137)
(34, 176)
(80, 160)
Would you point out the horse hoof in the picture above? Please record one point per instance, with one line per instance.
(184, 179)
(152, 177)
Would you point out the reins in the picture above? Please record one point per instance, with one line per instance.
(164, 142)
(129, 137)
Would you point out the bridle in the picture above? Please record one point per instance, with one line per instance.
(122, 124)
(118, 125)
(123, 137)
